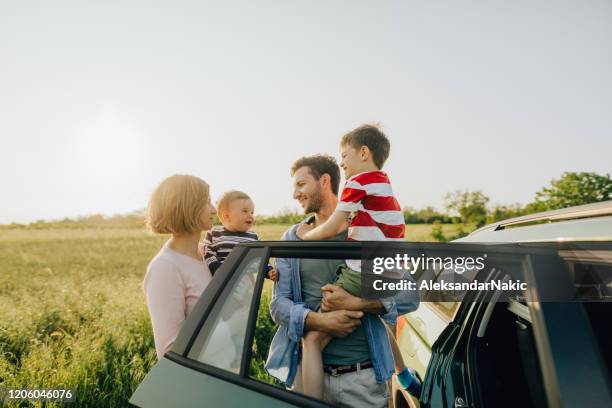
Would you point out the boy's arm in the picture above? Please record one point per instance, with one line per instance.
(350, 200)
(334, 225)
(272, 274)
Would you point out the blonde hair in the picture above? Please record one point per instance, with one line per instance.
(176, 205)
(227, 198)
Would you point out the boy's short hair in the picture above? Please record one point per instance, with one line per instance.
(318, 165)
(226, 199)
(176, 205)
(372, 137)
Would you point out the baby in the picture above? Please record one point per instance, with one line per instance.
(235, 210)
(375, 215)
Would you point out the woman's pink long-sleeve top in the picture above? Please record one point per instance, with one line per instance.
(173, 284)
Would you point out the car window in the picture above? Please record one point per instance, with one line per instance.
(264, 331)
(446, 309)
(506, 358)
(220, 342)
(449, 275)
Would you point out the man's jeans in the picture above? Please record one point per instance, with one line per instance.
(356, 389)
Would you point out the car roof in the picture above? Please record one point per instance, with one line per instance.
(591, 222)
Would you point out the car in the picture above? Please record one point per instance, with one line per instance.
(212, 362)
(424, 334)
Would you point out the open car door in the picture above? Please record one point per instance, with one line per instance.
(209, 362)
(531, 351)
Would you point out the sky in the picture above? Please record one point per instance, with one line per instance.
(100, 101)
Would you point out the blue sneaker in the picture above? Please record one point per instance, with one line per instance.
(408, 380)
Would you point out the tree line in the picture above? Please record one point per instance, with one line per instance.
(472, 207)
(460, 207)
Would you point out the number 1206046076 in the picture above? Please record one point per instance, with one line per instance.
(36, 394)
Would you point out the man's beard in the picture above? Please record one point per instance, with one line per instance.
(315, 203)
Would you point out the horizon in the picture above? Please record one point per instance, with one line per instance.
(142, 212)
(101, 102)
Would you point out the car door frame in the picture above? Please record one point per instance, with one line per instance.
(225, 277)
(544, 314)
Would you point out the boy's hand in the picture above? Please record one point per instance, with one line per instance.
(302, 229)
(273, 275)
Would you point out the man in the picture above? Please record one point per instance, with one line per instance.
(358, 361)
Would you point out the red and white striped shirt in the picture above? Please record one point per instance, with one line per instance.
(376, 214)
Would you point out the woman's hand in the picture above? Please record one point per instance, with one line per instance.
(201, 250)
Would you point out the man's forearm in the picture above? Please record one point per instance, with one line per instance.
(312, 321)
(336, 298)
(372, 306)
(338, 323)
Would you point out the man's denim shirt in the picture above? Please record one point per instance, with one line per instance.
(289, 312)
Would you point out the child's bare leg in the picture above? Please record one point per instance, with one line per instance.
(312, 362)
(398, 360)
(406, 377)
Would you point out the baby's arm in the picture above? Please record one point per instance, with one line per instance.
(210, 256)
(272, 273)
(334, 225)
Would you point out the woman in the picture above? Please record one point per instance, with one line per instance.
(177, 275)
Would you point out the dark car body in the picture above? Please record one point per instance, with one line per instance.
(438, 337)
(530, 354)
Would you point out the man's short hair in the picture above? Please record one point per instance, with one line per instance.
(176, 205)
(372, 137)
(228, 197)
(318, 165)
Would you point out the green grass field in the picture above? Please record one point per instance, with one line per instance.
(73, 313)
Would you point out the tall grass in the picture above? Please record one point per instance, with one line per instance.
(73, 313)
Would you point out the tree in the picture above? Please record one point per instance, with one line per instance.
(573, 189)
(470, 205)
(410, 216)
(504, 212)
(436, 232)
(425, 215)
(429, 214)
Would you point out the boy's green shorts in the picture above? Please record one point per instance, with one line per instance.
(349, 280)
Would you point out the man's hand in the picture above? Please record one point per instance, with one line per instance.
(336, 298)
(302, 229)
(339, 323)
